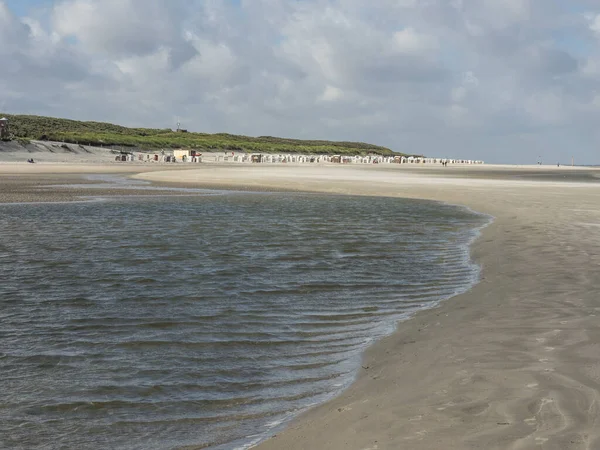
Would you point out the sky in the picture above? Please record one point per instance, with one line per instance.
(504, 81)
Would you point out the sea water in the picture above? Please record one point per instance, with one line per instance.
(207, 320)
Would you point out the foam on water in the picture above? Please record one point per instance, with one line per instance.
(208, 320)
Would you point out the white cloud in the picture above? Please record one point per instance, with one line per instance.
(409, 41)
(123, 27)
(593, 22)
(331, 93)
(469, 78)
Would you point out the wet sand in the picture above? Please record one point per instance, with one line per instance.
(512, 364)
(44, 182)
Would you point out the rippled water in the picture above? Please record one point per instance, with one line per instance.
(160, 323)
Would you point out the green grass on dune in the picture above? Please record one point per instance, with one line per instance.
(106, 134)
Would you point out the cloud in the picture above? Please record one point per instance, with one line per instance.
(331, 93)
(483, 79)
(408, 40)
(121, 28)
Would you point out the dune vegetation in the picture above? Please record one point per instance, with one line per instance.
(25, 127)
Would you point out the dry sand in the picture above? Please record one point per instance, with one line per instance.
(512, 364)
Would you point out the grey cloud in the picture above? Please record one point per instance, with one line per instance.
(405, 69)
(556, 62)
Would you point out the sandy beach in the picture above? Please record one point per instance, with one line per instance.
(511, 364)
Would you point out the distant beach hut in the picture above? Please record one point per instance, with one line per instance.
(187, 155)
(256, 158)
(336, 159)
(124, 157)
(4, 128)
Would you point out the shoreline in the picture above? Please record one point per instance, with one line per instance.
(475, 235)
(511, 363)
